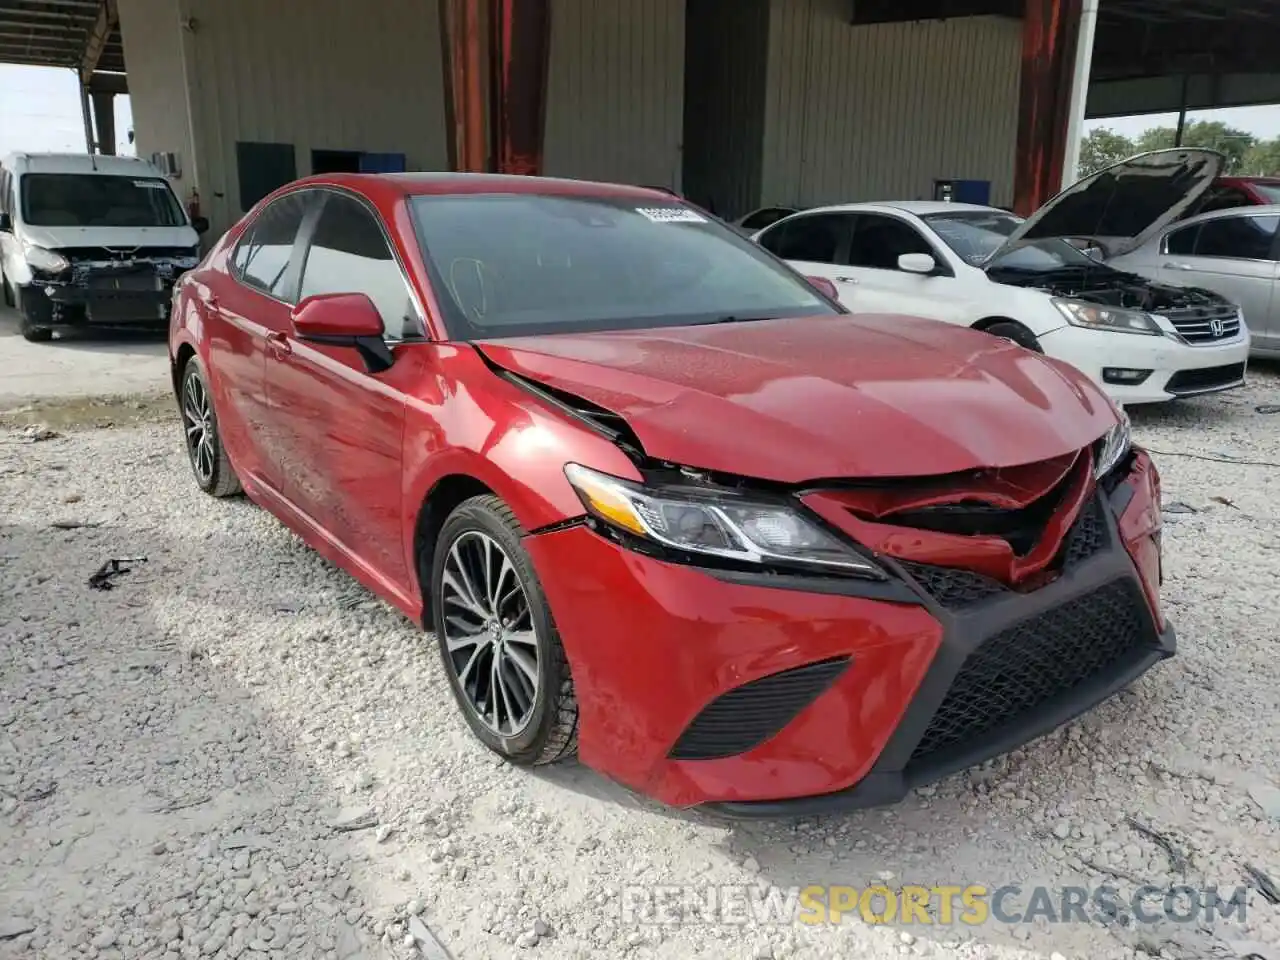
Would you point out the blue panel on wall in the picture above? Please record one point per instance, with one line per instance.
(382, 163)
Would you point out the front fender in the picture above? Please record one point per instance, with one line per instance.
(470, 422)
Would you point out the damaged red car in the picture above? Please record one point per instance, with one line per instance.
(659, 499)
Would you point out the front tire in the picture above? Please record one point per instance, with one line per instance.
(209, 460)
(1010, 330)
(498, 642)
(30, 327)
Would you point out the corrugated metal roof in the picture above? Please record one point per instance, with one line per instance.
(61, 33)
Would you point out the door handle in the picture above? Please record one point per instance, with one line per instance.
(279, 346)
(846, 279)
(1178, 266)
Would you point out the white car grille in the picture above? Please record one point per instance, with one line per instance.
(1204, 326)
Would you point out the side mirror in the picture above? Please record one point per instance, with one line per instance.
(6, 223)
(824, 287)
(917, 263)
(200, 224)
(345, 320)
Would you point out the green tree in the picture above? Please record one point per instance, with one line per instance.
(1101, 148)
(1262, 159)
(1211, 134)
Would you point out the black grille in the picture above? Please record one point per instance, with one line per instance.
(747, 716)
(76, 254)
(1205, 324)
(1015, 672)
(953, 588)
(1088, 536)
(1206, 378)
(124, 280)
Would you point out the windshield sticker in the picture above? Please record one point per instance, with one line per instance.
(671, 215)
(149, 184)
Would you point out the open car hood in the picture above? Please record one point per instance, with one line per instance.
(822, 397)
(1123, 206)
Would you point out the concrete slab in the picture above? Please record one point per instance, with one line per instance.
(78, 365)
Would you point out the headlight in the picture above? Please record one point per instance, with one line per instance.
(1114, 447)
(1097, 317)
(46, 261)
(716, 524)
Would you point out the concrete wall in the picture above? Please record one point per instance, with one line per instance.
(879, 112)
(615, 98)
(152, 37)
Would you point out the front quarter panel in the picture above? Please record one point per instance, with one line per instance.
(465, 420)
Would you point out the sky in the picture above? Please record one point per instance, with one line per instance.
(40, 110)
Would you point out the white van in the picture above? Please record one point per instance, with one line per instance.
(90, 240)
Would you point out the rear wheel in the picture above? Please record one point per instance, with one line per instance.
(209, 460)
(497, 639)
(1011, 330)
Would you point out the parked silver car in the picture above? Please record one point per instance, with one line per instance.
(1235, 253)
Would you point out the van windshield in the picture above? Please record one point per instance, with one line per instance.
(98, 200)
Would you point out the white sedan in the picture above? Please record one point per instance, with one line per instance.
(982, 267)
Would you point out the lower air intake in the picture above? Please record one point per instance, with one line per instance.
(1016, 672)
(747, 716)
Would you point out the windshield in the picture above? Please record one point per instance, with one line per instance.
(526, 264)
(977, 234)
(98, 200)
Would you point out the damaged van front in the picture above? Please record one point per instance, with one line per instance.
(91, 241)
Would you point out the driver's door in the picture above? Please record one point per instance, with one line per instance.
(340, 428)
(872, 264)
(813, 244)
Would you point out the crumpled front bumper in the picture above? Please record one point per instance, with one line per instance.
(861, 692)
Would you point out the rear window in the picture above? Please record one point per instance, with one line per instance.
(98, 200)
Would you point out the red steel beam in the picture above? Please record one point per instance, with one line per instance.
(464, 84)
(519, 56)
(1050, 31)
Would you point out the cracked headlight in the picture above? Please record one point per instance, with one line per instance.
(716, 524)
(1094, 316)
(1114, 447)
(46, 261)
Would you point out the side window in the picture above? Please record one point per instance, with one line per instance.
(1182, 243)
(349, 254)
(816, 239)
(1238, 238)
(879, 241)
(264, 254)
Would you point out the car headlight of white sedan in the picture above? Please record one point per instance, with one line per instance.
(1095, 316)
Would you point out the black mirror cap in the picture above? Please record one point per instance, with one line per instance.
(6, 223)
(200, 224)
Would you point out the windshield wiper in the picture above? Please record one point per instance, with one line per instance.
(733, 318)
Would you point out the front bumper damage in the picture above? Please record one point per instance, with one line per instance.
(766, 696)
(107, 289)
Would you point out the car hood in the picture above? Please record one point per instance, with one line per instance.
(822, 397)
(1123, 206)
(118, 238)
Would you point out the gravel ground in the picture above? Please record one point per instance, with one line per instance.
(176, 752)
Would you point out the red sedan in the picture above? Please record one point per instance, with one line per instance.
(659, 499)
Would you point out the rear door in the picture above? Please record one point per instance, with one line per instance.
(242, 315)
(1235, 256)
(340, 427)
(815, 244)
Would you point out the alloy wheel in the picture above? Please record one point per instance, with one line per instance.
(197, 420)
(490, 639)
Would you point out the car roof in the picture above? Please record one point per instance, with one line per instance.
(80, 163)
(388, 185)
(919, 208)
(1257, 210)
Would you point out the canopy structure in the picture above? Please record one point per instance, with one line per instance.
(81, 35)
